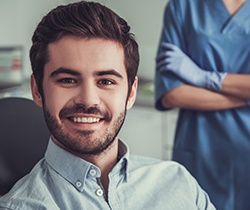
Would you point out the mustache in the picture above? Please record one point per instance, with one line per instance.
(82, 109)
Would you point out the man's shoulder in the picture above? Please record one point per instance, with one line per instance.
(31, 187)
(166, 173)
(157, 164)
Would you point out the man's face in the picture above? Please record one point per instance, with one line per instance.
(85, 93)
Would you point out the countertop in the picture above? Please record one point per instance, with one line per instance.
(22, 90)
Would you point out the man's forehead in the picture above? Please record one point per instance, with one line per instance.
(74, 53)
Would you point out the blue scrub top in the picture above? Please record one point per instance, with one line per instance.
(213, 145)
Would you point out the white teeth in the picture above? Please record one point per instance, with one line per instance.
(85, 119)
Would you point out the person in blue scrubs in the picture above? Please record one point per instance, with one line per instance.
(203, 68)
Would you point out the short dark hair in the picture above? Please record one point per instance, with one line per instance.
(87, 20)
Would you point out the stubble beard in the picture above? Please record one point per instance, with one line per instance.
(81, 142)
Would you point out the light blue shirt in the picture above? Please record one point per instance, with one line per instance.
(63, 181)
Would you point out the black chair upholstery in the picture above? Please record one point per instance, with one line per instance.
(23, 139)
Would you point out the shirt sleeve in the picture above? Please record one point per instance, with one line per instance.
(200, 196)
(172, 32)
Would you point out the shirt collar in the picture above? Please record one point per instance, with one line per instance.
(76, 170)
(121, 167)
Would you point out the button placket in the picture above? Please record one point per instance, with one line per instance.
(93, 174)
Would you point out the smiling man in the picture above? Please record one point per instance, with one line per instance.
(85, 61)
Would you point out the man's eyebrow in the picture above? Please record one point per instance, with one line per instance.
(109, 72)
(64, 71)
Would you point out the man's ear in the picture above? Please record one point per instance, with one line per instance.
(132, 95)
(35, 93)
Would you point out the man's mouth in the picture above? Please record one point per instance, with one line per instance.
(85, 119)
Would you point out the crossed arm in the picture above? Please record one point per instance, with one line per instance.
(191, 97)
(204, 90)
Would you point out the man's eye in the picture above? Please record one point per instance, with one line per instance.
(106, 82)
(68, 81)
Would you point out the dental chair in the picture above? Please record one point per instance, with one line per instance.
(23, 139)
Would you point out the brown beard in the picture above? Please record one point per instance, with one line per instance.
(75, 143)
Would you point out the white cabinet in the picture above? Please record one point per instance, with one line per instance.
(149, 132)
(169, 121)
(142, 131)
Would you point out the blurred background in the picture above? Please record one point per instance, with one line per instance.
(146, 130)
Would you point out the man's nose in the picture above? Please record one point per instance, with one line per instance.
(88, 95)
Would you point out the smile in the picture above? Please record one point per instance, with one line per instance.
(85, 119)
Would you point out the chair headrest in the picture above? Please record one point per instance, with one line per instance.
(23, 139)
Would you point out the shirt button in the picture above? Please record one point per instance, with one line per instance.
(99, 192)
(92, 172)
(78, 184)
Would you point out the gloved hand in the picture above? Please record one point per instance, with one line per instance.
(174, 60)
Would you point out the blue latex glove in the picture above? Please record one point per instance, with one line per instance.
(172, 59)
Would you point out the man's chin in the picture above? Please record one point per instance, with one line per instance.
(80, 148)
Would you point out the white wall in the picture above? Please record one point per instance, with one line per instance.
(18, 19)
